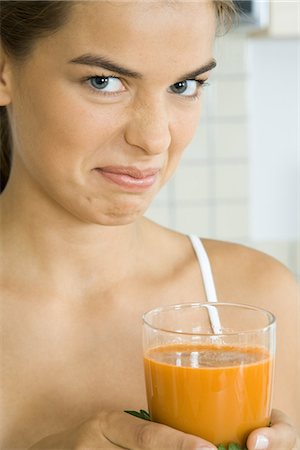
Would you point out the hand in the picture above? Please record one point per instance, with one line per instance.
(115, 430)
(280, 436)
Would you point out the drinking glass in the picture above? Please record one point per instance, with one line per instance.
(209, 368)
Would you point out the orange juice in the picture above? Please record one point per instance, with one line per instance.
(220, 393)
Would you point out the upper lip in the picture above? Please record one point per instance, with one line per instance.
(131, 171)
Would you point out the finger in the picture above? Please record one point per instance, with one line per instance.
(280, 435)
(137, 434)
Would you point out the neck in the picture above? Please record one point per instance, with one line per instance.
(51, 241)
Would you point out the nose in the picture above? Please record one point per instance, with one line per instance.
(148, 126)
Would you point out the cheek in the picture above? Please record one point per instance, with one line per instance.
(183, 131)
(64, 132)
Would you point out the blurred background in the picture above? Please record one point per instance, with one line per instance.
(239, 180)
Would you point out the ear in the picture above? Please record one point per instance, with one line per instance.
(5, 77)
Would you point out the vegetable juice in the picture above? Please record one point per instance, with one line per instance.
(220, 393)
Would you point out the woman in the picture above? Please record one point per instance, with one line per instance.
(99, 101)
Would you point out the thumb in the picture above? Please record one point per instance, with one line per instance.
(280, 435)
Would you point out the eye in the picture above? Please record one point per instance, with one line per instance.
(111, 85)
(187, 88)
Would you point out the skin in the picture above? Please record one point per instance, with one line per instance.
(81, 262)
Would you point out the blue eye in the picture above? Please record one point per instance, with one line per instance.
(187, 88)
(104, 84)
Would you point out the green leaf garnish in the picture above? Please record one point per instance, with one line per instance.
(231, 446)
(142, 414)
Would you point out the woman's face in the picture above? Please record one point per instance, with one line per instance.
(102, 110)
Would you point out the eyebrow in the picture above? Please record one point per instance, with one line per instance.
(206, 68)
(104, 63)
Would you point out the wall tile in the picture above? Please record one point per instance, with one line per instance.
(274, 138)
(228, 98)
(231, 181)
(230, 54)
(231, 221)
(193, 220)
(230, 140)
(192, 183)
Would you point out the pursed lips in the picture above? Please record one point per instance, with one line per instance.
(129, 177)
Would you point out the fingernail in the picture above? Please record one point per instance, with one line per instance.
(205, 447)
(262, 442)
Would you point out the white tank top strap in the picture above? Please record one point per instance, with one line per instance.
(208, 280)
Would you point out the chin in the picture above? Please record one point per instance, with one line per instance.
(123, 210)
(109, 212)
(119, 216)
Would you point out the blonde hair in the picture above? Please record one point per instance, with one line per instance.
(227, 14)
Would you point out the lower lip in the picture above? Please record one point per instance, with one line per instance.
(128, 182)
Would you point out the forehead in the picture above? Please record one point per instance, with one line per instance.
(142, 34)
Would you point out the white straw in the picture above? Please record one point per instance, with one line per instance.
(209, 284)
(214, 319)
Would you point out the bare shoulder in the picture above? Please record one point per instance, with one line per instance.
(242, 256)
(243, 272)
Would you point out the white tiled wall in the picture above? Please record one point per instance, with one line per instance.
(274, 137)
(209, 194)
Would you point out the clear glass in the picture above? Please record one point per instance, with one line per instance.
(209, 368)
